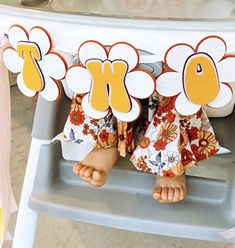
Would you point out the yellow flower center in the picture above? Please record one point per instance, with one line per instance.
(201, 83)
(108, 82)
(31, 72)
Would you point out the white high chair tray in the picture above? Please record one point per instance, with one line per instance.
(174, 22)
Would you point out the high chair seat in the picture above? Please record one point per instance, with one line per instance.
(126, 203)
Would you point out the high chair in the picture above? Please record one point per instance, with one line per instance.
(125, 202)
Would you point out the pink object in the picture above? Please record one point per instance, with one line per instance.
(8, 202)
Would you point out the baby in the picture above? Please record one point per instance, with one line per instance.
(109, 137)
(169, 144)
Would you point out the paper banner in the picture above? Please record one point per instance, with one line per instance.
(198, 75)
(110, 80)
(39, 68)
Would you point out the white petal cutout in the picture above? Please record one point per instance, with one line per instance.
(16, 34)
(91, 50)
(184, 107)
(90, 111)
(51, 91)
(139, 84)
(224, 97)
(53, 66)
(226, 70)
(12, 61)
(213, 46)
(21, 85)
(78, 79)
(169, 84)
(41, 38)
(132, 115)
(177, 56)
(124, 51)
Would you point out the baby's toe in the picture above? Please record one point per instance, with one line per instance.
(157, 193)
(164, 194)
(88, 172)
(77, 167)
(176, 197)
(97, 176)
(83, 169)
(182, 193)
(171, 192)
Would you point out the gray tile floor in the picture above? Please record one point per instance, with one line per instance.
(54, 232)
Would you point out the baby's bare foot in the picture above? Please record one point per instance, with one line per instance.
(95, 168)
(169, 189)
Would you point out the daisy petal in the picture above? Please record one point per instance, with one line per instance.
(53, 66)
(12, 61)
(169, 84)
(177, 56)
(214, 46)
(91, 50)
(90, 111)
(132, 115)
(51, 90)
(16, 33)
(184, 107)
(226, 70)
(21, 85)
(139, 84)
(126, 52)
(78, 79)
(41, 38)
(224, 97)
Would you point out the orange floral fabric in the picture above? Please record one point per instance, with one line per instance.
(167, 145)
(125, 138)
(173, 142)
(103, 133)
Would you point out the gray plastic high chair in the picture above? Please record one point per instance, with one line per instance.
(125, 202)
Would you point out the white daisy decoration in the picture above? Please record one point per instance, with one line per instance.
(198, 76)
(170, 159)
(109, 80)
(39, 68)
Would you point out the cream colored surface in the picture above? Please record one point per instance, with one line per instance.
(53, 232)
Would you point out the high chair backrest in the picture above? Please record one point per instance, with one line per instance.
(50, 117)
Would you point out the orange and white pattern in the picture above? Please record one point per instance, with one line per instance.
(88, 133)
(110, 80)
(30, 55)
(198, 76)
(172, 142)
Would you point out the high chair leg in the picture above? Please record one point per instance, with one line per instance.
(27, 218)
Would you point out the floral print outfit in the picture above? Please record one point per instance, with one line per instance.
(97, 133)
(166, 145)
(173, 142)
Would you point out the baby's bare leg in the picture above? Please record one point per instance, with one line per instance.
(97, 165)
